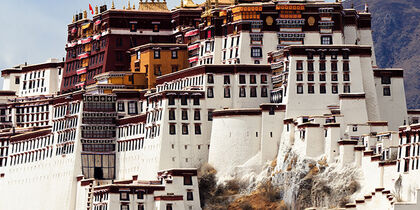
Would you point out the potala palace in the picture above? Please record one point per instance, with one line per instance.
(146, 95)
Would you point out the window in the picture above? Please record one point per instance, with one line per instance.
(255, 62)
(172, 114)
(322, 89)
(184, 129)
(299, 77)
(253, 92)
(334, 66)
(326, 40)
(242, 92)
(210, 115)
(346, 66)
(140, 195)
(310, 55)
(321, 56)
(264, 92)
(263, 79)
(187, 180)
(310, 66)
(300, 89)
(253, 79)
(310, 77)
(196, 114)
(141, 206)
(311, 89)
(155, 27)
(125, 207)
(156, 54)
(334, 77)
(184, 114)
(299, 65)
(168, 206)
(190, 196)
(17, 80)
(345, 55)
(171, 100)
(322, 66)
(334, 56)
(196, 100)
(210, 92)
(256, 52)
(387, 91)
(385, 80)
(242, 79)
(334, 89)
(208, 46)
(227, 92)
(174, 54)
(184, 100)
(346, 88)
(322, 77)
(210, 79)
(120, 106)
(174, 68)
(157, 70)
(346, 77)
(132, 107)
(172, 130)
(124, 196)
(197, 129)
(226, 79)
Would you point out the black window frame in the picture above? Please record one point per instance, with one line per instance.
(190, 196)
(253, 92)
(156, 54)
(125, 199)
(197, 129)
(174, 54)
(256, 52)
(188, 180)
(121, 105)
(242, 79)
(172, 129)
(299, 89)
(242, 92)
(386, 91)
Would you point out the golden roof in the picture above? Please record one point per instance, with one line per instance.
(153, 6)
(220, 2)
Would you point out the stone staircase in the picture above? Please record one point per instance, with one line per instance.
(378, 198)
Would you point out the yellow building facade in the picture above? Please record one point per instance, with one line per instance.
(154, 60)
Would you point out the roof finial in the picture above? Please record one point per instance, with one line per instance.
(113, 5)
(84, 14)
(182, 3)
(73, 19)
(96, 10)
(366, 7)
(134, 6)
(129, 5)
